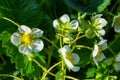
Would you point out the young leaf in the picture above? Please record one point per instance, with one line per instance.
(91, 72)
(22, 11)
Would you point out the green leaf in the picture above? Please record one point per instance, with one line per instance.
(88, 6)
(91, 72)
(59, 75)
(28, 69)
(23, 11)
(83, 25)
(22, 63)
(4, 40)
(5, 37)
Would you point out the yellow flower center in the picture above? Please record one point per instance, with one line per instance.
(65, 27)
(69, 57)
(117, 21)
(27, 39)
(99, 51)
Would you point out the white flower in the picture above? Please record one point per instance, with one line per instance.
(70, 58)
(116, 64)
(116, 23)
(27, 39)
(98, 51)
(100, 23)
(64, 23)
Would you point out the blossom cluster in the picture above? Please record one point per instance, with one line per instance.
(28, 40)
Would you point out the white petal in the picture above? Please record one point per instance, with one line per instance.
(97, 16)
(74, 24)
(37, 32)
(76, 58)
(95, 51)
(102, 22)
(117, 29)
(68, 63)
(71, 66)
(24, 29)
(116, 66)
(95, 61)
(25, 49)
(101, 32)
(65, 50)
(117, 59)
(68, 50)
(100, 58)
(103, 44)
(37, 46)
(65, 18)
(75, 69)
(15, 39)
(79, 20)
(55, 23)
(62, 51)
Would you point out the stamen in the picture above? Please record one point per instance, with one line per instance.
(117, 21)
(99, 51)
(69, 57)
(27, 39)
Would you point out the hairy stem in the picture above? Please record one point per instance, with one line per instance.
(11, 21)
(8, 75)
(70, 77)
(44, 74)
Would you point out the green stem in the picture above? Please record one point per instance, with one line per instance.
(78, 38)
(88, 79)
(60, 42)
(78, 35)
(81, 46)
(110, 13)
(50, 42)
(50, 53)
(2, 58)
(44, 69)
(7, 75)
(44, 74)
(49, 59)
(11, 21)
(70, 77)
(62, 63)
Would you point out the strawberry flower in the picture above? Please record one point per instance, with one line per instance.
(99, 24)
(70, 59)
(27, 40)
(64, 25)
(97, 53)
(116, 64)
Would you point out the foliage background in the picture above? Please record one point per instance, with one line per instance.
(41, 13)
